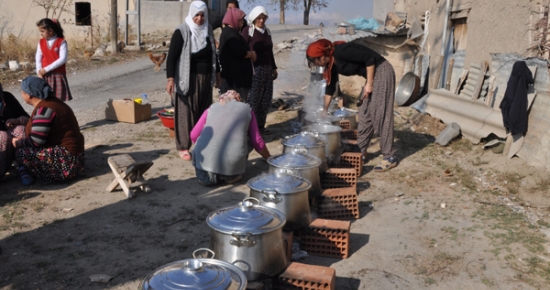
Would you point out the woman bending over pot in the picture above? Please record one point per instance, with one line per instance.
(376, 110)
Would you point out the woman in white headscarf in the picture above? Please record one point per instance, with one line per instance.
(258, 37)
(192, 70)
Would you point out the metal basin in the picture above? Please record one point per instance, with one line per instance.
(406, 92)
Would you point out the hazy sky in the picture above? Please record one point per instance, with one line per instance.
(337, 10)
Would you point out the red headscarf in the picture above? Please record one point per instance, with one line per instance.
(323, 47)
(232, 17)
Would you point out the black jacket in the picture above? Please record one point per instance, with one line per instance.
(514, 104)
(12, 110)
(235, 68)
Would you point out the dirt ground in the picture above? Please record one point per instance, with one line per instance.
(455, 217)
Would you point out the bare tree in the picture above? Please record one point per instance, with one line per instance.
(316, 5)
(54, 8)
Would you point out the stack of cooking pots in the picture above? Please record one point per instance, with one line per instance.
(300, 164)
(330, 134)
(196, 273)
(309, 143)
(285, 192)
(249, 236)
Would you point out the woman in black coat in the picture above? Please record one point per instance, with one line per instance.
(235, 58)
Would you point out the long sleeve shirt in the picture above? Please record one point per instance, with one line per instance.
(63, 55)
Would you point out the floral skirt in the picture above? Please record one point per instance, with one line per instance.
(6, 148)
(52, 164)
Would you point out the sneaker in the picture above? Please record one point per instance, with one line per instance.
(386, 164)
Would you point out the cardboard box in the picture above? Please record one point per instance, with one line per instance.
(127, 110)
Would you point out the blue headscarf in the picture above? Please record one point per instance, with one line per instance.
(36, 87)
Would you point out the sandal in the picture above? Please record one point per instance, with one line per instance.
(386, 164)
(185, 155)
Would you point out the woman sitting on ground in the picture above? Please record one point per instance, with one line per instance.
(54, 147)
(221, 140)
(10, 109)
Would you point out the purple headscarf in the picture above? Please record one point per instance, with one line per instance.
(232, 17)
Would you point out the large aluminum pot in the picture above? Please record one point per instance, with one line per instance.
(303, 165)
(331, 135)
(343, 114)
(285, 192)
(196, 273)
(249, 236)
(307, 142)
(318, 118)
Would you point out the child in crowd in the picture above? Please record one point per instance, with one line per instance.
(51, 56)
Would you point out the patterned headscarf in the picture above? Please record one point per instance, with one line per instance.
(229, 96)
(36, 87)
(198, 32)
(232, 17)
(323, 47)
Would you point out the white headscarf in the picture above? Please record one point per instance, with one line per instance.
(198, 32)
(252, 16)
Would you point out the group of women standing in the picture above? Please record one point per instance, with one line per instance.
(243, 63)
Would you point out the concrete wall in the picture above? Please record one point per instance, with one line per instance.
(492, 27)
(19, 17)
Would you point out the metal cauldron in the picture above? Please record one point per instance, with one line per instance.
(307, 142)
(331, 135)
(303, 165)
(285, 192)
(196, 273)
(344, 114)
(249, 236)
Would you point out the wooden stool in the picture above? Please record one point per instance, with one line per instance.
(128, 174)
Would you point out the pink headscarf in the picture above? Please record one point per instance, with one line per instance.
(232, 17)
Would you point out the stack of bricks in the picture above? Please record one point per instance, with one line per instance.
(339, 177)
(328, 238)
(306, 277)
(339, 204)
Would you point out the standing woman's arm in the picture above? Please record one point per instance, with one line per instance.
(370, 79)
(174, 52)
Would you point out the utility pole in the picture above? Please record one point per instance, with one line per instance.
(114, 26)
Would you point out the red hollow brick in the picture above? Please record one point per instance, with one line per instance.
(345, 124)
(349, 134)
(352, 160)
(339, 204)
(329, 238)
(306, 277)
(339, 177)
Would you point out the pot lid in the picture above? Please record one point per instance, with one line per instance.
(294, 160)
(248, 217)
(196, 274)
(322, 128)
(343, 113)
(316, 118)
(280, 182)
(306, 139)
